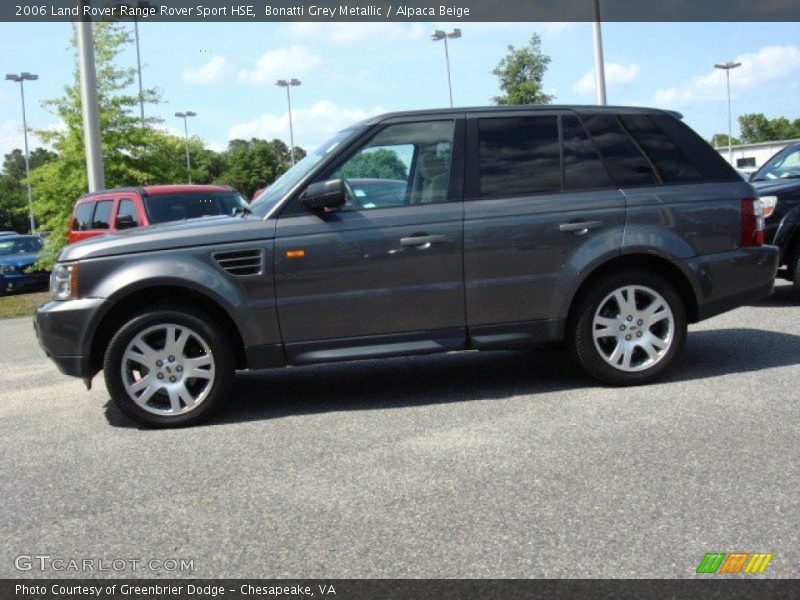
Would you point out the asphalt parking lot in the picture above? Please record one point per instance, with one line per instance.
(506, 464)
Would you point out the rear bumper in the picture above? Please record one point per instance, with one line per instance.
(64, 330)
(731, 279)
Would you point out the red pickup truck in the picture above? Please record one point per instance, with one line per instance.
(113, 210)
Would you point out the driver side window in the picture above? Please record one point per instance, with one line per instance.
(401, 165)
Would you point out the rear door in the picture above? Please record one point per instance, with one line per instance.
(539, 205)
(383, 274)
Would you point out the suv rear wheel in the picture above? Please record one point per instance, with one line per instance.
(628, 328)
(169, 367)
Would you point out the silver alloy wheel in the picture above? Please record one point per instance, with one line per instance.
(633, 328)
(168, 369)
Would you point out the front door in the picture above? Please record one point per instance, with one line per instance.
(384, 274)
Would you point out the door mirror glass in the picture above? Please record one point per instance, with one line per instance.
(125, 222)
(324, 194)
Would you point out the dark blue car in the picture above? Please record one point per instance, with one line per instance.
(17, 254)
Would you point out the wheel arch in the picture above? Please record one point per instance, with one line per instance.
(660, 265)
(131, 301)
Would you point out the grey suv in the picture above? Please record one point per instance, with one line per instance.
(420, 232)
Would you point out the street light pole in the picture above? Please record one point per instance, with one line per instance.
(91, 120)
(289, 84)
(21, 79)
(728, 67)
(441, 35)
(139, 69)
(599, 61)
(185, 116)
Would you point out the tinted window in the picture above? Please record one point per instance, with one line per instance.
(128, 209)
(583, 168)
(625, 163)
(407, 163)
(83, 216)
(102, 214)
(671, 163)
(519, 156)
(176, 207)
(706, 160)
(20, 245)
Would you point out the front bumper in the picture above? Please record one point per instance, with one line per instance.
(732, 279)
(12, 282)
(65, 331)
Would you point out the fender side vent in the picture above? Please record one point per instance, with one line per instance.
(241, 262)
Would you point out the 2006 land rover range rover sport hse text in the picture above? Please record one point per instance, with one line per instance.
(431, 231)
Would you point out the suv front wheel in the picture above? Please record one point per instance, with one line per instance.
(628, 328)
(169, 367)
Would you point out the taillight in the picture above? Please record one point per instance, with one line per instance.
(769, 202)
(752, 222)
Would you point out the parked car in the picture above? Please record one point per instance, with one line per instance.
(778, 184)
(17, 254)
(610, 229)
(114, 210)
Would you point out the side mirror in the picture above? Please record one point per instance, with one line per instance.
(324, 194)
(125, 222)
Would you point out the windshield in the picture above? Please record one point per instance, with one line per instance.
(784, 165)
(177, 207)
(20, 245)
(277, 190)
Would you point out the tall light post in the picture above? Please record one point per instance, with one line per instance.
(437, 36)
(289, 84)
(728, 67)
(21, 79)
(91, 119)
(599, 61)
(185, 116)
(142, 5)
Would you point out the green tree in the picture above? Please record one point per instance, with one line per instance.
(131, 153)
(521, 73)
(13, 193)
(381, 163)
(720, 140)
(757, 127)
(254, 164)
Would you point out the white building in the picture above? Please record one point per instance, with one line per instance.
(750, 157)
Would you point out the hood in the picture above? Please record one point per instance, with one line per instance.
(775, 187)
(168, 236)
(19, 260)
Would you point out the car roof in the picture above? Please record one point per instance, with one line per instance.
(579, 108)
(159, 190)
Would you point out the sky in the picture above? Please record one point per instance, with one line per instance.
(225, 72)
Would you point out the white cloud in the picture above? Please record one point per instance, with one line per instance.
(293, 61)
(616, 76)
(214, 71)
(11, 137)
(768, 65)
(312, 125)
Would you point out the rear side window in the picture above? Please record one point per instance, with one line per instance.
(102, 214)
(625, 162)
(706, 160)
(128, 209)
(519, 156)
(83, 216)
(671, 162)
(583, 168)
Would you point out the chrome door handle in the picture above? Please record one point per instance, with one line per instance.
(422, 240)
(579, 227)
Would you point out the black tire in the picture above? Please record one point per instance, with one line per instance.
(581, 329)
(215, 392)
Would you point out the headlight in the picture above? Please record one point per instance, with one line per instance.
(7, 269)
(64, 281)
